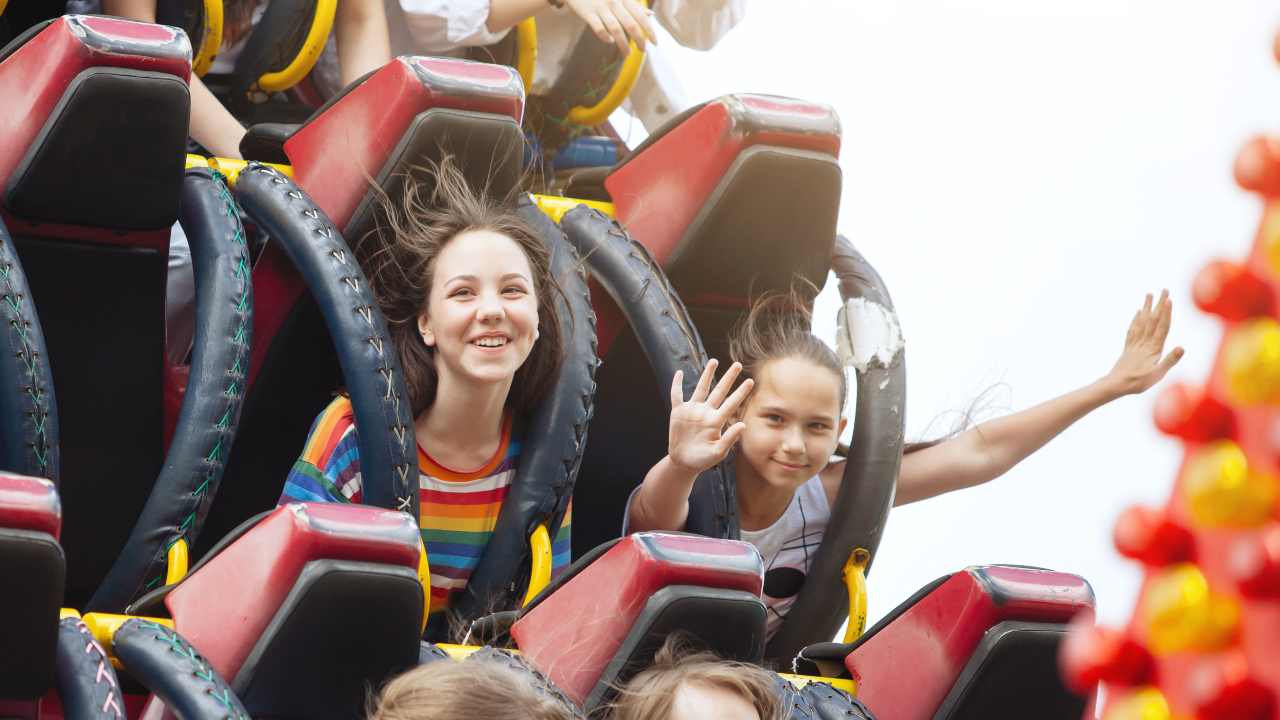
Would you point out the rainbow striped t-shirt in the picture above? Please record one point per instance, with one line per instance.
(457, 510)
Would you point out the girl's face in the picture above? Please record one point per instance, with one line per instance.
(482, 314)
(792, 422)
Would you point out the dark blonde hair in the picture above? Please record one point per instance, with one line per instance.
(447, 689)
(651, 694)
(399, 258)
(778, 326)
(237, 18)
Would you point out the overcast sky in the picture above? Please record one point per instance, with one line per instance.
(1021, 172)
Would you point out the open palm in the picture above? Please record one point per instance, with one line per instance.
(1143, 362)
(698, 438)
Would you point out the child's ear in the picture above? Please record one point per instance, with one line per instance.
(424, 329)
(840, 429)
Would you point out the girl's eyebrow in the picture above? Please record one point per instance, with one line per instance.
(473, 278)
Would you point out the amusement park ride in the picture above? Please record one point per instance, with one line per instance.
(149, 573)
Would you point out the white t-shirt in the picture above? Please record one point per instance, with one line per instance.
(788, 547)
(447, 26)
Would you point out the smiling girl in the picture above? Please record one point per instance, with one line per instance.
(467, 292)
(786, 419)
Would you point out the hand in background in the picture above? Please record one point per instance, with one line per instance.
(1143, 362)
(616, 21)
(698, 439)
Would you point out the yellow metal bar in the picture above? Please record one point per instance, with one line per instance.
(211, 41)
(799, 681)
(317, 36)
(855, 579)
(612, 100)
(2, 4)
(230, 167)
(424, 578)
(196, 161)
(65, 613)
(540, 572)
(104, 626)
(556, 206)
(526, 50)
(176, 569)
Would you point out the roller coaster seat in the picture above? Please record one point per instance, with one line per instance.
(327, 601)
(94, 121)
(32, 560)
(980, 643)
(409, 112)
(603, 619)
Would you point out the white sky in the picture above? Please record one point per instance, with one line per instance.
(1021, 172)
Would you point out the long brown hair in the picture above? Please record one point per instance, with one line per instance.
(399, 255)
(778, 326)
(651, 694)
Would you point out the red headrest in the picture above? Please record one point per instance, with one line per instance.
(29, 503)
(224, 606)
(911, 663)
(658, 192)
(33, 78)
(573, 633)
(335, 154)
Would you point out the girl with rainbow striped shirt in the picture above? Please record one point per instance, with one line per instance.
(467, 291)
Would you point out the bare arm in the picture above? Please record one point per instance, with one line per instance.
(361, 32)
(613, 21)
(210, 123)
(505, 14)
(695, 442)
(987, 451)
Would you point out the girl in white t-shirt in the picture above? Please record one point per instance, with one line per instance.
(785, 419)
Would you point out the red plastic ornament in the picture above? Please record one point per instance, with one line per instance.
(1231, 291)
(1092, 654)
(1222, 689)
(1254, 564)
(1257, 166)
(1189, 413)
(1150, 537)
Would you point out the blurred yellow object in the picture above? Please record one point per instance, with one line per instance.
(1269, 235)
(1221, 491)
(855, 581)
(1146, 703)
(1252, 362)
(1181, 613)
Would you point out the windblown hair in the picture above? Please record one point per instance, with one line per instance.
(651, 694)
(399, 259)
(449, 689)
(778, 326)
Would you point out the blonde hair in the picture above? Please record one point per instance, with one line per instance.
(479, 688)
(651, 694)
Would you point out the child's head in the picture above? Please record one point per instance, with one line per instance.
(681, 685)
(448, 689)
(794, 416)
(466, 286)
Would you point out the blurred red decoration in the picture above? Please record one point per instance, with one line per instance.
(1150, 537)
(1232, 291)
(1188, 412)
(1257, 166)
(1254, 564)
(1093, 654)
(1221, 688)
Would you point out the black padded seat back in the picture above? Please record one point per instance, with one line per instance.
(487, 148)
(34, 566)
(110, 155)
(730, 623)
(345, 629)
(101, 308)
(773, 214)
(1013, 673)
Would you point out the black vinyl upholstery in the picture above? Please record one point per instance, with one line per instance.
(33, 562)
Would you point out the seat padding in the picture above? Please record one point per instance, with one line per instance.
(32, 562)
(35, 75)
(575, 634)
(907, 666)
(226, 606)
(29, 503)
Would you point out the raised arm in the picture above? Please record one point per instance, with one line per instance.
(360, 28)
(696, 441)
(987, 451)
